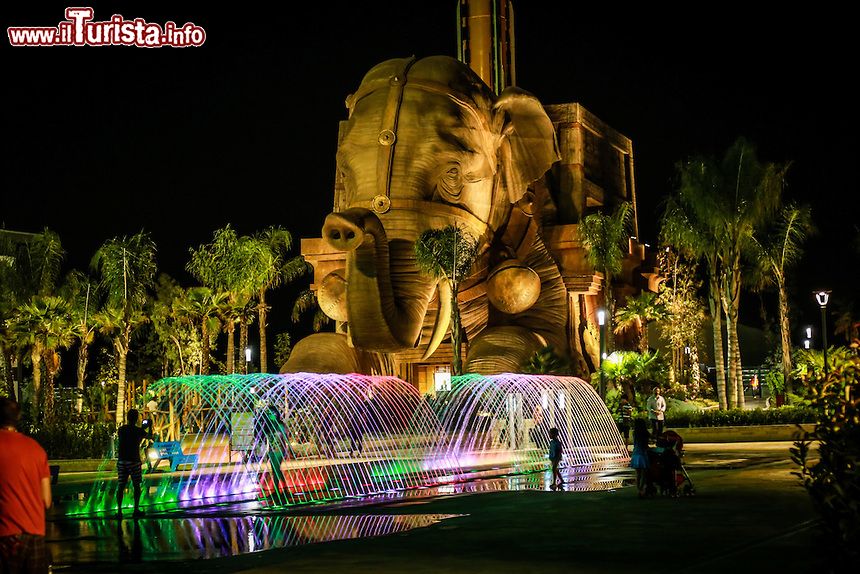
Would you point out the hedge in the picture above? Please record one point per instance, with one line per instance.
(741, 417)
(74, 439)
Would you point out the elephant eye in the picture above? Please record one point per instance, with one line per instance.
(450, 183)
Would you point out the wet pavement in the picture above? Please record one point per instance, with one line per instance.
(75, 542)
(234, 528)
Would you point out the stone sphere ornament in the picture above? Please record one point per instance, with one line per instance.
(331, 295)
(513, 287)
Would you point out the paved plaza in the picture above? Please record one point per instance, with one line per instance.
(749, 515)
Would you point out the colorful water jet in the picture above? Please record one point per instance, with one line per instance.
(304, 438)
(504, 420)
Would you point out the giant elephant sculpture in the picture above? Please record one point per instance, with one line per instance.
(427, 144)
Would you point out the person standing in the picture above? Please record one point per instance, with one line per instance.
(25, 494)
(128, 463)
(555, 458)
(625, 418)
(639, 459)
(656, 411)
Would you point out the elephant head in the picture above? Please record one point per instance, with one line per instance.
(427, 144)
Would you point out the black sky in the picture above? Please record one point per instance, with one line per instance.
(102, 141)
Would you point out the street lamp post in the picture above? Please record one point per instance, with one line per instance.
(823, 297)
(601, 320)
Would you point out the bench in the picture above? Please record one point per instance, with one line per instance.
(172, 451)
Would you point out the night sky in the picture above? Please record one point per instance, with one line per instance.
(105, 141)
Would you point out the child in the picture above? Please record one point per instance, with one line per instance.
(625, 417)
(555, 458)
(639, 460)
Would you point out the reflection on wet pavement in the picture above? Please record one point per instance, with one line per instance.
(88, 541)
(233, 528)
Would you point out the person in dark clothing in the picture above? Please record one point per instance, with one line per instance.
(555, 453)
(625, 418)
(639, 460)
(128, 463)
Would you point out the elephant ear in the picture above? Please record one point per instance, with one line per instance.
(528, 147)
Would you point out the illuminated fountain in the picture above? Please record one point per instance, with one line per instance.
(301, 438)
(503, 421)
(287, 439)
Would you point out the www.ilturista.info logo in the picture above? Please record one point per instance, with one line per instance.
(79, 30)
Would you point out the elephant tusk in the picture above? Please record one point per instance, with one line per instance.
(443, 318)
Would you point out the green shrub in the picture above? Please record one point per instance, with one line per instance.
(832, 480)
(65, 439)
(739, 417)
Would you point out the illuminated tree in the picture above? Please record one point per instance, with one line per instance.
(127, 270)
(719, 205)
(605, 239)
(778, 249)
(637, 313)
(274, 267)
(447, 254)
(44, 325)
(79, 291)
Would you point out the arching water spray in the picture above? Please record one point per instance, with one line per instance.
(305, 438)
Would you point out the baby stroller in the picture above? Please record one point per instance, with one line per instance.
(665, 470)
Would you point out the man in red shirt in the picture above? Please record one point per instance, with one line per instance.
(25, 494)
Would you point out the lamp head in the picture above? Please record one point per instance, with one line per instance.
(822, 297)
(601, 317)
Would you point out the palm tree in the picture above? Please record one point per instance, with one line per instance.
(605, 238)
(637, 313)
(274, 267)
(79, 291)
(546, 361)
(202, 306)
(305, 301)
(774, 254)
(720, 204)
(687, 226)
(225, 266)
(127, 270)
(44, 324)
(29, 265)
(447, 255)
(750, 192)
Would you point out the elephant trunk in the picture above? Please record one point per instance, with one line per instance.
(387, 296)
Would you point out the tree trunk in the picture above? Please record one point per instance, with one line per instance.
(262, 311)
(696, 379)
(204, 346)
(643, 336)
(231, 347)
(456, 337)
(36, 360)
(731, 382)
(785, 335)
(7, 373)
(719, 357)
(731, 306)
(83, 358)
(609, 301)
(51, 360)
(121, 356)
(736, 363)
(243, 344)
